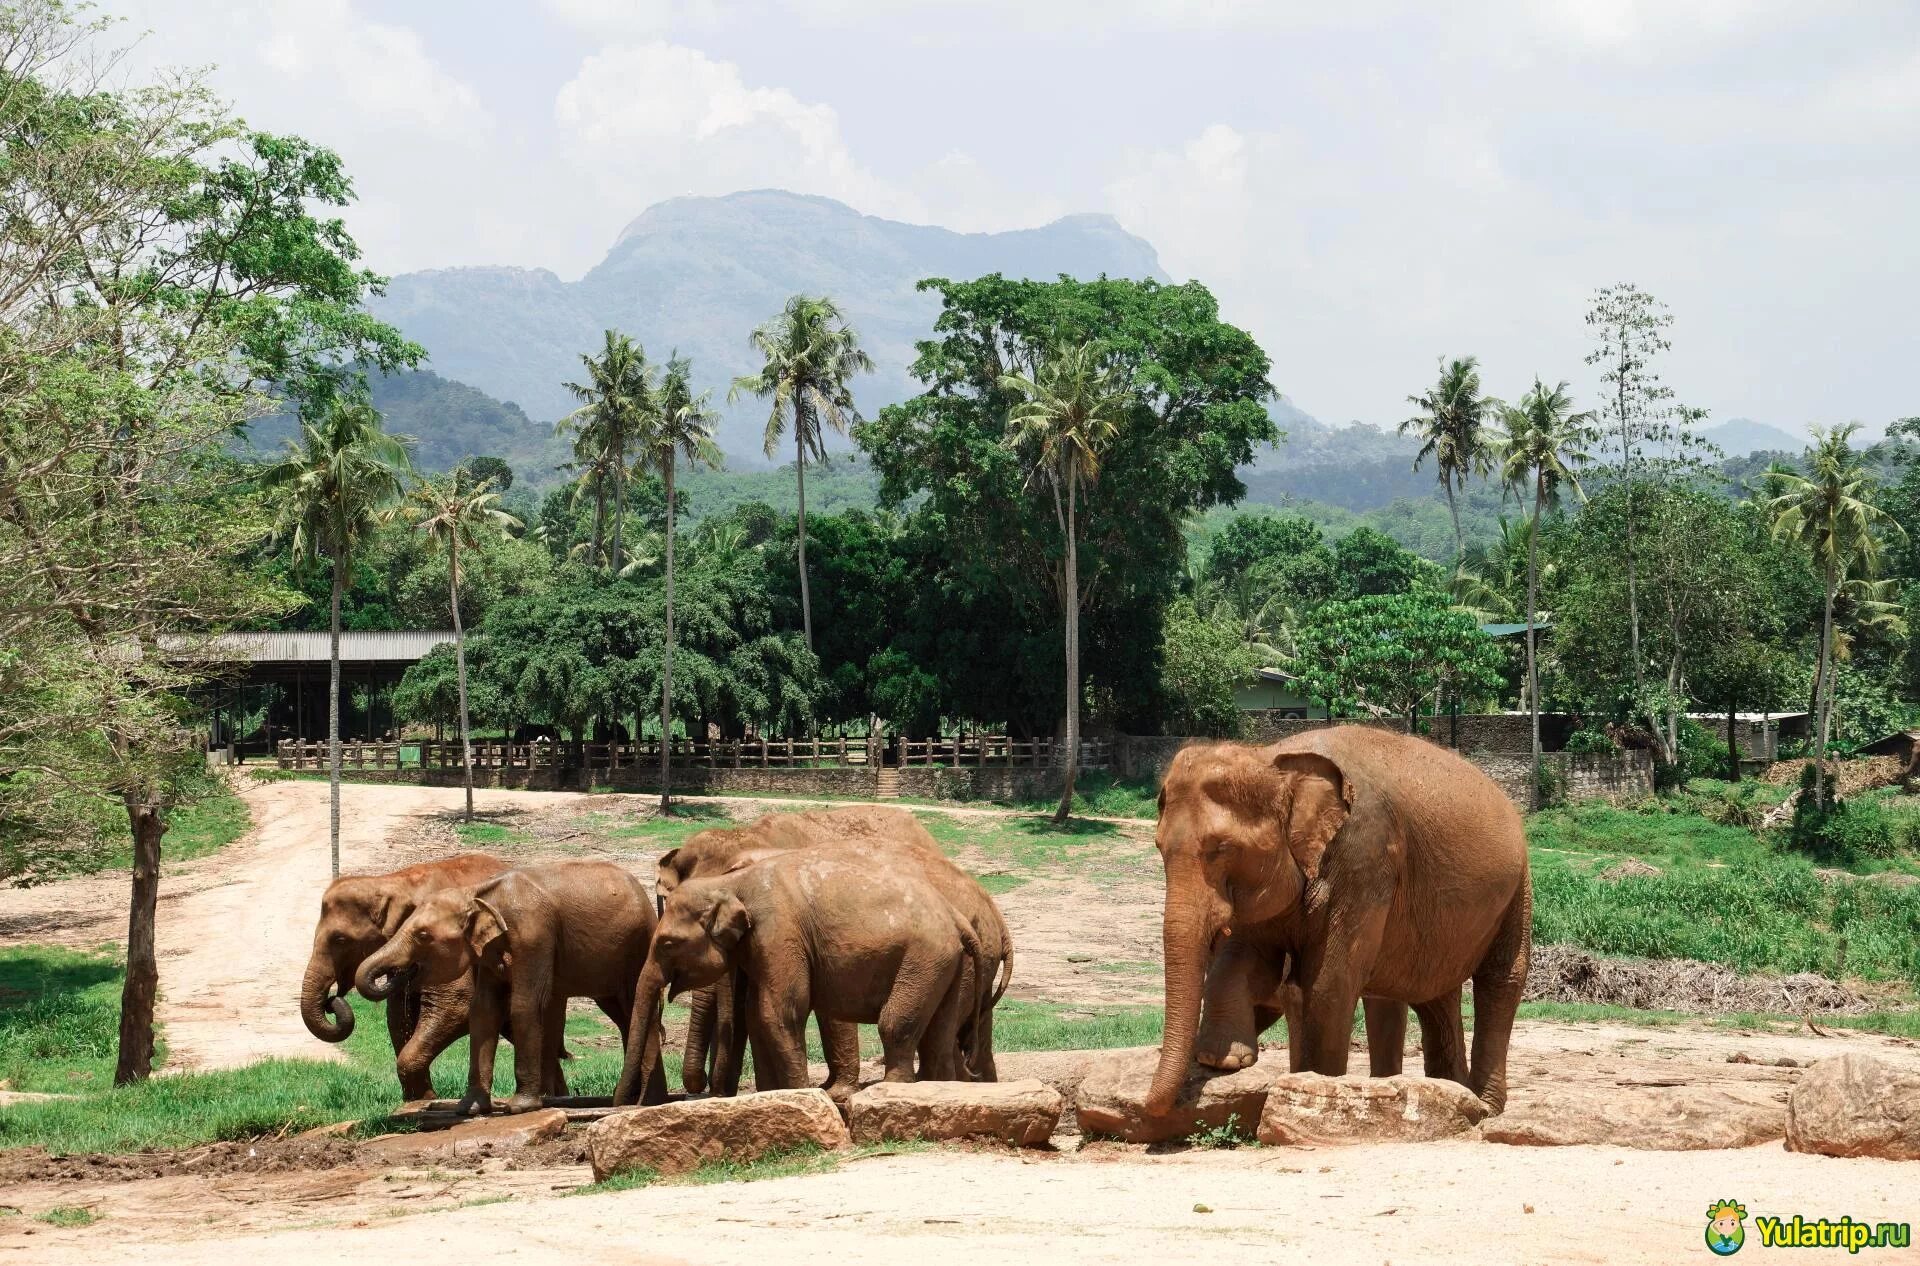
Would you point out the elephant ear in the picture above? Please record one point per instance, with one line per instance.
(669, 860)
(727, 922)
(1314, 806)
(388, 914)
(487, 932)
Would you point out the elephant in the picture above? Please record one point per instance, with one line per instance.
(358, 915)
(815, 930)
(529, 940)
(1386, 867)
(890, 833)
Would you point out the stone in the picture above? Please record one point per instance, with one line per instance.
(1020, 1113)
(1111, 1098)
(1650, 1118)
(1856, 1105)
(1310, 1109)
(482, 1136)
(338, 1129)
(676, 1137)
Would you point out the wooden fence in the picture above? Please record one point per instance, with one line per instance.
(842, 752)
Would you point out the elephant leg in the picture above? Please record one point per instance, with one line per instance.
(703, 1009)
(529, 1013)
(403, 1018)
(484, 1015)
(777, 1028)
(732, 998)
(919, 987)
(552, 1081)
(1229, 1036)
(443, 1018)
(940, 1043)
(1333, 971)
(840, 1041)
(1443, 1041)
(1386, 1035)
(1497, 985)
(980, 1046)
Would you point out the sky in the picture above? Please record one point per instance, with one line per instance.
(1367, 186)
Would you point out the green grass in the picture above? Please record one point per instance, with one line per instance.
(997, 883)
(1103, 795)
(59, 1019)
(795, 1162)
(1044, 1026)
(485, 834)
(206, 825)
(68, 1215)
(672, 830)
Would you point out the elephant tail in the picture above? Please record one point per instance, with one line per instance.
(1006, 975)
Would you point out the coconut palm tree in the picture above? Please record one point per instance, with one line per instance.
(336, 483)
(1069, 412)
(1830, 511)
(456, 513)
(810, 354)
(1544, 445)
(1451, 422)
(616, 402)
(682, 426)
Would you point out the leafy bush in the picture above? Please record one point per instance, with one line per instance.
(1742, 804)
(1699, 755)
(1840, 830)
(1590, 742)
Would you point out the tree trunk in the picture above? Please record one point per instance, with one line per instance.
(1061, 814)
(460, 665)
(1533, 663)
(333, 714)
(1459, 538)
(800, 471)
(599, 520)
(1824, 682)
(666, 662)
(1733, 743)
(619, 505)
(143, 970)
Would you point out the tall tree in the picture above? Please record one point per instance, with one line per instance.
(343, 477)
(1070, 411)
(1831, 513)
(1454, 413)
(811, 355)
(616, 407)
(160, 264)
(1545, 443)
(456, 513)
(682, 426)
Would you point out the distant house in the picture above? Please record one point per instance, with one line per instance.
(1757, 734)
(1901, 743)
(1540, 630)
(1279, 693)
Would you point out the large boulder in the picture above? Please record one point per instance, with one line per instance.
(676, 1137)
(1112, 1096)
(1307, 1108)
(1652, 1118)
(1022, 1113)
(1856, 1105)
(482, 1136)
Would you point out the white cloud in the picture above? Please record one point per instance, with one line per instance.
(370, 69)
(655, 120)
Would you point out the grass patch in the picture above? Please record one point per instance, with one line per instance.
(1042, 1026)
(59, 1018)
(1129, 966)
(1105, 795)
(809, 1158)
(68, 1215)
(672, 829)
(484, 834)
(206, 824)
(997, 883)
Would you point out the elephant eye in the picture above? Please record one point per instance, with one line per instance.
(419, 934)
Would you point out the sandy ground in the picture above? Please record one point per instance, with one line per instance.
(235, 931)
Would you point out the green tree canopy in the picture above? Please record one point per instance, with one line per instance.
(1395, 652)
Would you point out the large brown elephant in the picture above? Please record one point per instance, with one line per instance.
(358, 915)
(815, 930)
(1386, 867)
(529, 940)
(893, 837)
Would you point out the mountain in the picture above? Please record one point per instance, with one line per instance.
(698, 274)
(1357, 467)
(1736, 437)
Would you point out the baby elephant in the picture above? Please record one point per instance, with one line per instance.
(531, 939)
(820, 930)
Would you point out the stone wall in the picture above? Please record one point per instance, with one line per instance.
(1509, 732)
(933, 782)
(857, 780)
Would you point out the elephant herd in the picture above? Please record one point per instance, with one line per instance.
(1344, 866)
(851, 916)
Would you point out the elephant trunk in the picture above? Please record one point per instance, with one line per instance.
(701, 1012)
(379, 974)
(326, 1014)
(1187, 936)
(643, 1037)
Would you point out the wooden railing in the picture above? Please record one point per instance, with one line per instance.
(999, 749)
(301, 754)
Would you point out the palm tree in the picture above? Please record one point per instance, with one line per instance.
(456, 513)
(681, 426)
(339, 480)
(1831, 512)
(616, 403)
(1545, 442)
(1070, 410)
(811, 353)
(1453, 413)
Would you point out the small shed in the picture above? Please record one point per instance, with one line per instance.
(1757, 734)
(1901, 743)
(1279, 693)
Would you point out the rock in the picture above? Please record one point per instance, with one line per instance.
(676, 1137)
(479, 1137)
(1856, 1105)
(1022, 1113)
(1111, 1099)
(1652, 1118)
(1307, 1108)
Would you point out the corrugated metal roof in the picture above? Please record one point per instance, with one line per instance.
(281, 647)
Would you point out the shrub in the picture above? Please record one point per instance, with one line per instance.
(1590, 742)
(1698, 755)
(1840, 830)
